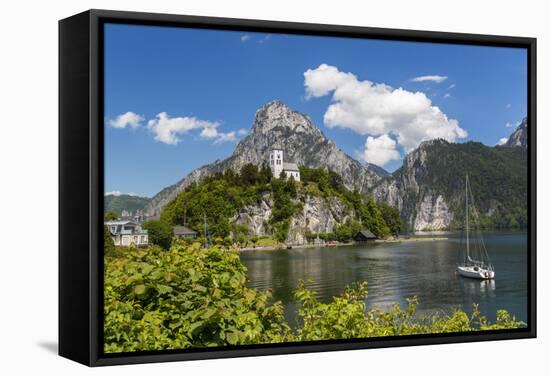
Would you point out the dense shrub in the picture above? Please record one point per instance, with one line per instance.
(108, 244)
(185, 298)
(192, 297)
(346, 317)
(159, 233)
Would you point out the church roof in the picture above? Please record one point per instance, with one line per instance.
(290, 166)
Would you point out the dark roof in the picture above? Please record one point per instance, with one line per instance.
(365, 234)
(182, 230)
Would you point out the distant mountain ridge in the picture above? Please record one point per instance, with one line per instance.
(428, 189)
(275, 125)
(124, 202)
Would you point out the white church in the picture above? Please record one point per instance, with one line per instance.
(278, 165)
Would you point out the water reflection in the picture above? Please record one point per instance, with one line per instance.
(397, 271)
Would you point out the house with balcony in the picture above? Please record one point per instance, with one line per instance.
(126, 233)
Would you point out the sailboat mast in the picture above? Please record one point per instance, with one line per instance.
(205, 233)
(467, 225)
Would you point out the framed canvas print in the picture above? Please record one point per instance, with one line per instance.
(240, 187)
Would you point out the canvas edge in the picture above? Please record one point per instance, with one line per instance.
(94, 343)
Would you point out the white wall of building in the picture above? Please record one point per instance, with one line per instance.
(276, 162)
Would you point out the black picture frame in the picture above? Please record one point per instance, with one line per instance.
(81, 184)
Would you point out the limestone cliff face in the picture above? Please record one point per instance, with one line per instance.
(317, 215)
(276, 125)
(429, 188)
(256, 217)
(433, 213)
(421, 205)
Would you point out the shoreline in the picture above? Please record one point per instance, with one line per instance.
(338, 244)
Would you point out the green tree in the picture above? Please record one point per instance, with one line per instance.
(336, 182)
(230, 176)
(323, 181)
(241, 239)
(391, 217)
(283, 207)
(265, 174)
(254, 240)
(108, 244)
(249, 174)
(345, 232)
(111, 216)
(159, 232)
(291, 187)
(227, 241)
(372, 217)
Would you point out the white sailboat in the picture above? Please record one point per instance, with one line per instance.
(476, 262)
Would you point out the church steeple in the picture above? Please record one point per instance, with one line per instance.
(276, 161)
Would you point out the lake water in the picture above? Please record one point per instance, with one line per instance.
(397, 271)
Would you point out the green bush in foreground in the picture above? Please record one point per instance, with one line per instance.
(346, 317)
(191, 297)
(185, 298)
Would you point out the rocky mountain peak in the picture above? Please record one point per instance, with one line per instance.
(277, 125)
(519, 137)
(418, 156)
(277, 114)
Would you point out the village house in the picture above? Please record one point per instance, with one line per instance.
(182, 232)
(278, 165)
(126, 233)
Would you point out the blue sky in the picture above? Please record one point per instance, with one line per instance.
(176, 99)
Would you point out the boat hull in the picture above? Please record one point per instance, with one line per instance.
(475, 272)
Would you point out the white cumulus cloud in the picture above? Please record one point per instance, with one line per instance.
(118, 193)
(377, 109)
(380, 150)
(245, 37)
(128, 119)
(502, 141)
(431, 78)
(226, 137)
(219, 137)
(113, 193)
(515, 125)
(169, 129)
(209, 132)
